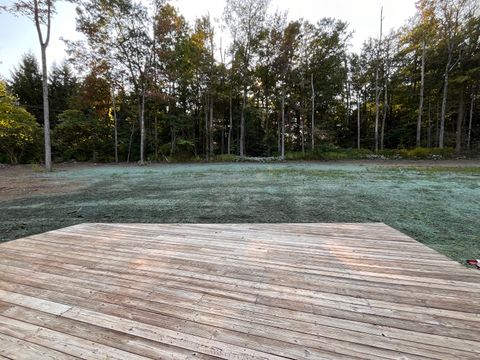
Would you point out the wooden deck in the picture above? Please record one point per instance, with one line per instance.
(252, 291)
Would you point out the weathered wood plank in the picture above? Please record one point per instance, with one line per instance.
(381, 298)
(62, 342)
(13, 348)
(242, 291)
(414, 316)
(84, 330)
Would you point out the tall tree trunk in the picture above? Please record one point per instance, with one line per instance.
(420, 105)
(267, 124)
(377, 115)
(283, 125)
(303, 115)
(358, 122)
(377, 89)
(279, 133)
(385, 109)
(155, 82)
(173, 140)
(46, 111)
(470, 118)
(444, 103)
(211, 91)
(155, 135)
(437, 126)
(115, 126)
(210, 126)
(460, 115)
(242, 122)
(365, 111)
(429, 129)
(313, 113)
(172, 133)
(229, 139)
(222, 141)
(207, 153)
(130, 143)
(43, 48)
(142, 128)
(347, 86)
(302, 122)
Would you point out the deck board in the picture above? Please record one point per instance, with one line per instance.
(234, 291)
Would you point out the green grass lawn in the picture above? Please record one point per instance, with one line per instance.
(437, 206)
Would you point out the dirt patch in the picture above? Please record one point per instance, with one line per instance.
(24, 181)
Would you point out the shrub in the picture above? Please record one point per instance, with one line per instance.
(19, 131)
(226, 158)
(327, 153)
(426, 153)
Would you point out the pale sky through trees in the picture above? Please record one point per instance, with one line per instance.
(18, 35)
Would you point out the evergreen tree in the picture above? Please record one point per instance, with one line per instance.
(62, 87)
(26, 85)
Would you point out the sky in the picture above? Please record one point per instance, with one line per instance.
(18, 35)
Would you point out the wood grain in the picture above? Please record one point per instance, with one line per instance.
(234, 291)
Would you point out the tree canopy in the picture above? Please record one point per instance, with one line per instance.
(145, 84)
(18, 128)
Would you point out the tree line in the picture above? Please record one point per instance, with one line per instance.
(144, 84)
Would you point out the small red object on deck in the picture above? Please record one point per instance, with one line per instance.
(475, 262)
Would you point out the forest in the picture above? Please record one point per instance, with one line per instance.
(144, 85)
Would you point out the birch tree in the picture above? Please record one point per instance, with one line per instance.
(328, 49)
(377, 87)
(451, 15)
(467, 74)
(421, 37)
(422, 90)
(268, 53)
(283, 65)
(358, 70)
(470, 121)
(40, 12)
(245, 20)
(388, 64)
(119, 29)
(306, 62)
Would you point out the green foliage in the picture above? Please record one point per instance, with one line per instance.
(226, 158)
(329, 154)
(419, 153)
(298, 155)
(163, 72)
(73, 136)
(332, 153)
(62, 88)
(79, 136)
(184, 149)
(426, 153)
(19, 132)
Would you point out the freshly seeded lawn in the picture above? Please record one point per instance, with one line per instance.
(437, 205)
